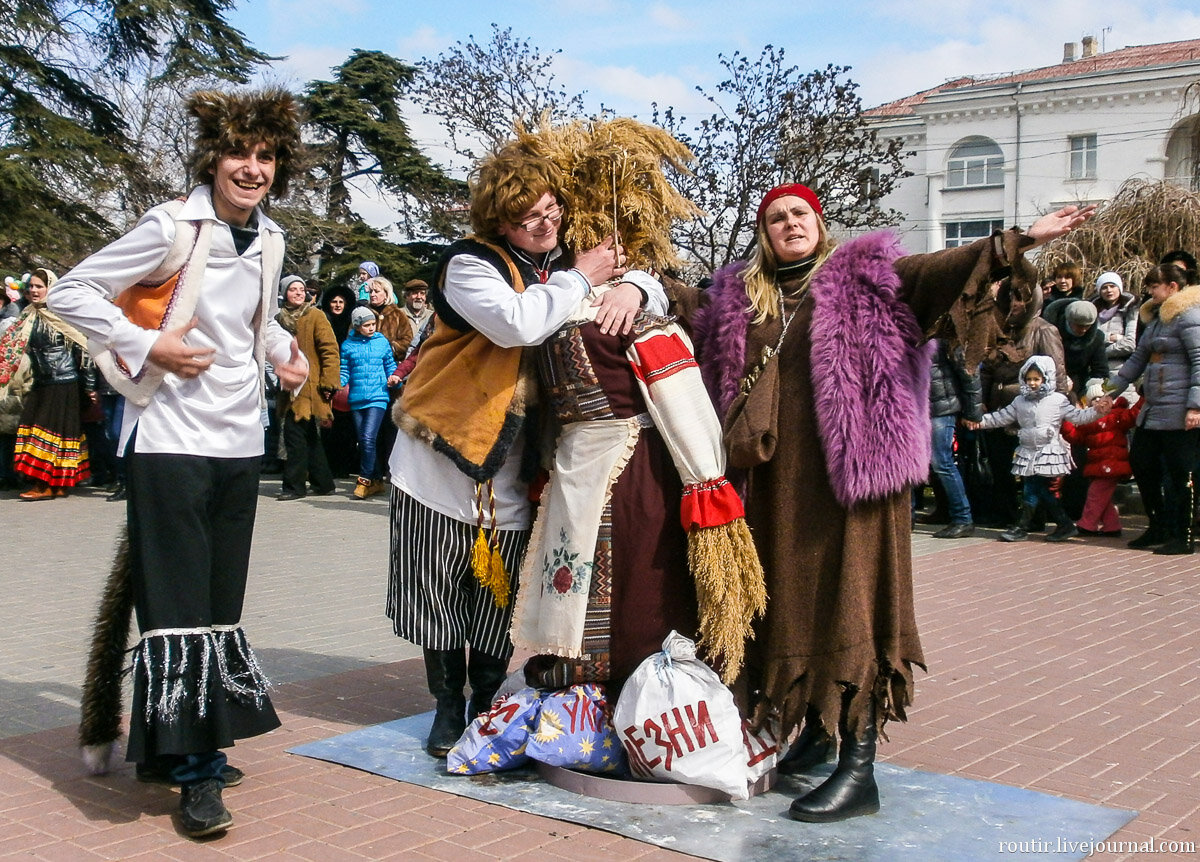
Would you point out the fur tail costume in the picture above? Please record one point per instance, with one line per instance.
(100, 707)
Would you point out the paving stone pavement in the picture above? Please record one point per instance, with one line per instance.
(1070, 669)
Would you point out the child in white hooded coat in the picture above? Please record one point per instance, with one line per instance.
(1042, 454)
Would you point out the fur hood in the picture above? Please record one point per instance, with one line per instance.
(1045, 365)
(1173, 306)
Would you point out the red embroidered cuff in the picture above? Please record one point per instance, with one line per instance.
(710, 504)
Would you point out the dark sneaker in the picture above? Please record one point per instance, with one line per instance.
(1064, 532)
(955, 531)
(201, 811)
(231, 775)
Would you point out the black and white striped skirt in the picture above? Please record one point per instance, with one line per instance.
(434, 599)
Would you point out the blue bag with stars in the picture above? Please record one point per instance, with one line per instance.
(574, 730)
(496, 739)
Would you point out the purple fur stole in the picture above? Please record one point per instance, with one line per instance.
(872, 395)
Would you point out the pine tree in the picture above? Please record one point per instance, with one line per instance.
(64, 144)
(358, 138)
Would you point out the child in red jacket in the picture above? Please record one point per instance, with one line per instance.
(1107, 464)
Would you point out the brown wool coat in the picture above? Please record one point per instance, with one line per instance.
(319, 346)
(840, 609)
(394, 325)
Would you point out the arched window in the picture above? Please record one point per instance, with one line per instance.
(975, 162)
(1183, 153)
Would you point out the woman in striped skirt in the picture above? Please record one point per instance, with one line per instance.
(50, 448)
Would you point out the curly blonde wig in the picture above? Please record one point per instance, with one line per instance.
(506, 184)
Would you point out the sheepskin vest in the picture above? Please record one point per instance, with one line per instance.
(467, 396)
(869, 360)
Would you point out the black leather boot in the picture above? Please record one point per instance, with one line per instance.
(815, 745)
(851, 790)
(1066, 527)
(1020, 531)
(1155, 534)
(446, 674)
(486, 674)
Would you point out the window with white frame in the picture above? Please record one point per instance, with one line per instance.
(966, 232)
(975, 162)
(1083, 157)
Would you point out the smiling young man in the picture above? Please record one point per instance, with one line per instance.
(181, 315)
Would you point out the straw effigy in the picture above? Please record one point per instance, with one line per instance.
(600, 157)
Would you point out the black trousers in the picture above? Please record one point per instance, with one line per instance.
(197, 686)
(306, 462)
(1162, 463)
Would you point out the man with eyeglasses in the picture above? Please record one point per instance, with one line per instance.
(461, 471)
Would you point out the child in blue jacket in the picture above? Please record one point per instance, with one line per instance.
(369, 367)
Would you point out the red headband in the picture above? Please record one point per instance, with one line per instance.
(794, 189)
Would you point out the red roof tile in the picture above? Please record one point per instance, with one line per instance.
(1134, 57)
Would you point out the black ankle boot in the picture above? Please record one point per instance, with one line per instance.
(814, 746)
(851, 790)
(446, 674)
(1154, 535)
(1174, 547)
(1019, 532)
(201, 811)
(486, 674)
(1066, 527)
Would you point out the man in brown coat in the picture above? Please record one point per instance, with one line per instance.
(303, 412)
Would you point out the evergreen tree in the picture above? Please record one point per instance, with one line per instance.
(359, 137)
(64, 144)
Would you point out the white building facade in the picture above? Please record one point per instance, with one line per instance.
(1001, 152)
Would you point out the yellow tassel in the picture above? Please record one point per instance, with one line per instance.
(480, 558)
(730, 588)
(498, 581)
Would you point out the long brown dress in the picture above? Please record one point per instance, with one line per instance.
(840, 616)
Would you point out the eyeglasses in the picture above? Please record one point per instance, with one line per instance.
(554, 216)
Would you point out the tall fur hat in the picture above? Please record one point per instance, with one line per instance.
(234, 121)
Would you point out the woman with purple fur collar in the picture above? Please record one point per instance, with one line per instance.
(831, 440)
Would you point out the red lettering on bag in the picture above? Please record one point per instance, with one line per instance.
(582, 716)
(659, 740)
(701, 723)
(633, 749)
(674, 734)
(754, 758)
(504, 713)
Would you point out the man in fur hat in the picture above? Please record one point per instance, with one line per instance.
(180, 313)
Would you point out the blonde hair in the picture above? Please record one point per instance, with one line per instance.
(380, 281)
(506, 184)
(760, 271)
